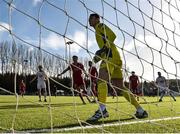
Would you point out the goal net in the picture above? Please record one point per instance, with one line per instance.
(50, 32)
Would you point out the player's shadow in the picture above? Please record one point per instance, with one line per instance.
(23, 106)
(94, 123)
(116, 102)
(8, 102)
(86, 124)
(110, 121)
(152, 102)
(19, 106)
(148, 102)
(66, 104)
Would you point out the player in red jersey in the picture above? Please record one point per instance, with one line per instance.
(133, 84)
(78, 82)
(22, 88)
(93, 73)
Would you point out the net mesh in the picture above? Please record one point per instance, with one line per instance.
(147, 38)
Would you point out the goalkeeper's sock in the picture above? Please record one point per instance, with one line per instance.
(130, 97)
(102, 107)
(140, 109)
(102, 92)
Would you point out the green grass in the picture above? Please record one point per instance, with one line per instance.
(33, 116)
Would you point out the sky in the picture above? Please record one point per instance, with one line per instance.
(69, 19)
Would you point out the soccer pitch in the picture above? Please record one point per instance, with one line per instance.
(67, 112)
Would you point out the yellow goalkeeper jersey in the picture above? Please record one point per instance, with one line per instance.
(105, 36)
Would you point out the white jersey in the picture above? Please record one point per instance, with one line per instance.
(161, 82)
(41, 76)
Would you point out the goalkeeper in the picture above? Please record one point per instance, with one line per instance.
(110, 69)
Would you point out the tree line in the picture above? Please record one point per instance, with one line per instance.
(23, 60)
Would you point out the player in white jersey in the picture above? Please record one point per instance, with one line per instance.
(41, 84)
(163, 87)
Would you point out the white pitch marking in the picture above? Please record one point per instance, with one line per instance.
(102, 125)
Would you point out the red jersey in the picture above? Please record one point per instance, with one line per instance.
(93, 73)
(22, 86)
(133, 81)
(77, 73)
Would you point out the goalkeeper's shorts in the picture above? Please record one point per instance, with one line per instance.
(113, 68)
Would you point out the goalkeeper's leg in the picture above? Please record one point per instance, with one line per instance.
(117, 82)
(125, 91)
(102, 95)
(118, 85)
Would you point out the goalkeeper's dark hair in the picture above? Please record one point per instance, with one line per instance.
(95, 15)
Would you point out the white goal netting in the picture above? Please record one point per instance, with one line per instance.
(50, 32)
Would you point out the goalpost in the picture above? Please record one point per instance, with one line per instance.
(148, 36)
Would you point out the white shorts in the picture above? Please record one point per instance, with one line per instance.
(41, 85)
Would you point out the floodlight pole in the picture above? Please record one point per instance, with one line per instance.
(25, 68)
(14, 65)
(69, 43)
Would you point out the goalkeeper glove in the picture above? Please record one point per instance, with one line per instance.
(102, 52)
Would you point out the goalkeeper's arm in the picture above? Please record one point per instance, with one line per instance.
(105, 51)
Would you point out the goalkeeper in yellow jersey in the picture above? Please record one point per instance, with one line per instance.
(110, 69)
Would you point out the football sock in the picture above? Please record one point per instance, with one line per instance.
(102, 91)
(140, 110)
(102, 107)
